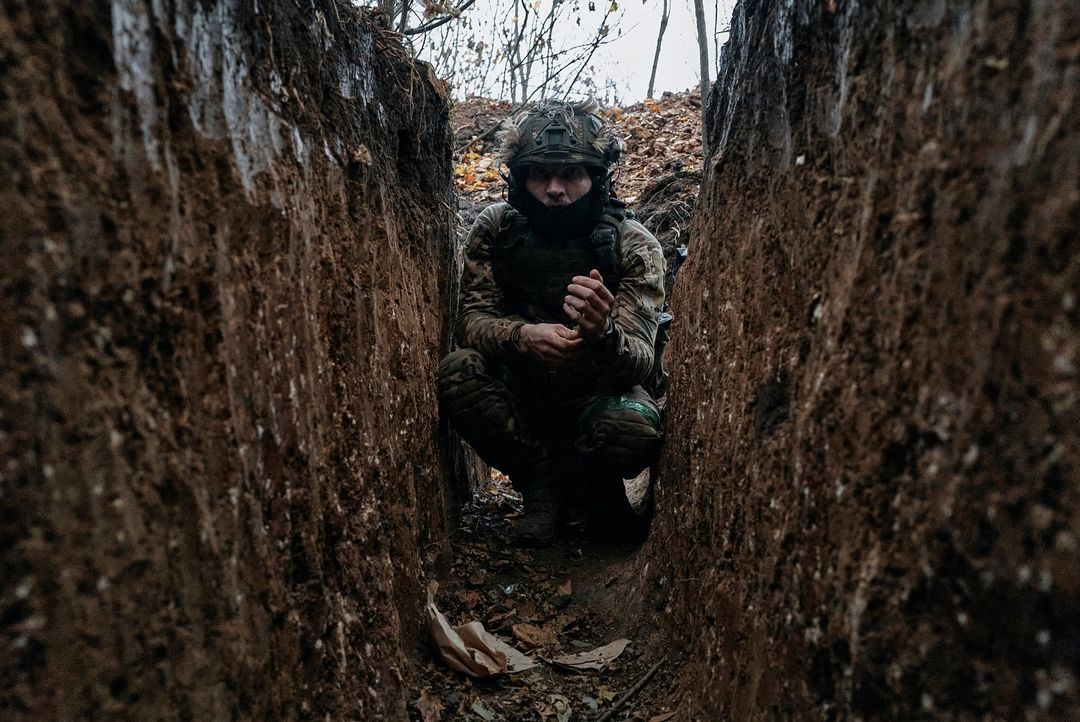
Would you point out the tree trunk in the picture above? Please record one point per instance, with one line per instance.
(659, 42)
(703, 50)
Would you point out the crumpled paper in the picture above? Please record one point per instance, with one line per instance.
(470, 648)
(594, 659)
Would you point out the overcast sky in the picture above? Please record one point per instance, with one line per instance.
(627, 59)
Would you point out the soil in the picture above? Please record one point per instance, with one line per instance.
(869, 502)
(225, 241)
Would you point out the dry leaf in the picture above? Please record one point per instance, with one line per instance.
(662, 717)
(470, 649)
(483, 712)
(469, 598)
(595, 659)
(569, 619)
(534, 636)
(527, 611)
(429, 706)
(562, 707)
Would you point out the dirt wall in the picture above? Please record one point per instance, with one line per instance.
(224, 240)
(870, 504)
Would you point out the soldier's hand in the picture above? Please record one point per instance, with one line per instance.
(589, 304)
(551, 343)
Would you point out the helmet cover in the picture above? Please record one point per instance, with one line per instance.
(559, 133)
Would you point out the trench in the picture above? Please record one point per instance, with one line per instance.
(229, 247)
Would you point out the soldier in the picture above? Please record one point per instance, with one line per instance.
(560, 299)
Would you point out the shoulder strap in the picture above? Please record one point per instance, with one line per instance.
(513, 227)
(605, 242)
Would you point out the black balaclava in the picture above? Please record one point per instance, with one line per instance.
(574, 219)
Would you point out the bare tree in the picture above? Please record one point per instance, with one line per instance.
(659, 41)
(703, 52)
(517, 49)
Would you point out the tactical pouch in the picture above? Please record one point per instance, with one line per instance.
(513, 227)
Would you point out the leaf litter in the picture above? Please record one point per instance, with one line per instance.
(541, 605)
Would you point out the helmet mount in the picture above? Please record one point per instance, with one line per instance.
(560, 133)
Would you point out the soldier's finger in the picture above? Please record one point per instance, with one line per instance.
(598, 286)
(561, 342)
(579, 315)
(587, 281)
(567, 333)
(582, 306)
(584, 293)
(556, 340)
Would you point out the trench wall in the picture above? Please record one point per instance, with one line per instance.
(224, 240)
(870, 501)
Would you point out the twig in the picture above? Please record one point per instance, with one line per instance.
(632, 691)
(440, 21)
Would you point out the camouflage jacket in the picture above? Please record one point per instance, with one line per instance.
(624, 359)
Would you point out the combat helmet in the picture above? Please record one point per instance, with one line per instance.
(558, 132)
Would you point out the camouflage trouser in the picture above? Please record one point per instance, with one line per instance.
(515, 424)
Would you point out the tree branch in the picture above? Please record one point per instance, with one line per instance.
(439, 21)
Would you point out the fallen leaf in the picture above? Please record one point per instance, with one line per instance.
(595, 659)
(469, 648)
(527, 611)
(469, 598)
(662, 717)
(605, 693)
(562, 707)
(569, 619)
(429, 706)
(534, 636)
(483, 712)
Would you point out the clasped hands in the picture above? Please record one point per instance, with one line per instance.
(588, 303)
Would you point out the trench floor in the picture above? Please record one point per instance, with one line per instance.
(569, 598)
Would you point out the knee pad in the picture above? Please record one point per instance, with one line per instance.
(468, 391)
(621, 434)
(459, 365)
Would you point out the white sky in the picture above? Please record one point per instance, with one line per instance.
(627, 59)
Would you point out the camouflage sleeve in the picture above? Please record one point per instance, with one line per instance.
(482, 322)
(627, 355)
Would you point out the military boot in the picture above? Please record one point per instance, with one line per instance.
(541, 489)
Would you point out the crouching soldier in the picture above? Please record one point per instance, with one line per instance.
(560, 300)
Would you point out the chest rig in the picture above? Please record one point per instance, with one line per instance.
(534, 272)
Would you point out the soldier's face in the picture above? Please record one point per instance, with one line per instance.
(558, 185)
